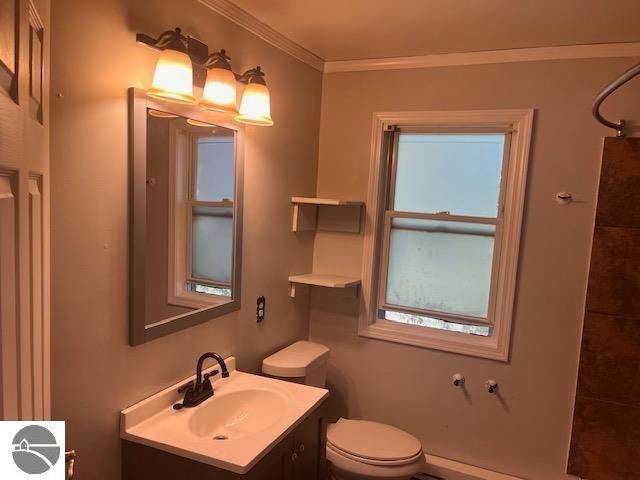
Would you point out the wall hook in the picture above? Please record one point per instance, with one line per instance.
(458, 380)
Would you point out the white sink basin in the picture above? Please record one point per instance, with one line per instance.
(237, 414)
(234, 429)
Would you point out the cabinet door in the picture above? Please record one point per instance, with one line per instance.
(277, 465)
(309, 445)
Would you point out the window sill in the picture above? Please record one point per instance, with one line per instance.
(197, 300)
(465, 344)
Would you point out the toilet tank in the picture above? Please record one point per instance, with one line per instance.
(301, 362)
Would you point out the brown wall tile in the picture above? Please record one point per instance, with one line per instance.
(605, 444)
(614, 276)
(610, 359)
(619, 196)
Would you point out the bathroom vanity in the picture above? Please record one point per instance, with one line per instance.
(254, 427)
(300, 455)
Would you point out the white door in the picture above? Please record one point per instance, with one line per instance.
(24, 210)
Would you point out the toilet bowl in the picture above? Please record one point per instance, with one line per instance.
(356, 449)
(359, 449)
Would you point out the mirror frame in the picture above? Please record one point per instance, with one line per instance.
(139, 103)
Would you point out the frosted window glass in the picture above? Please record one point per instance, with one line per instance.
(454, 173)
(209, 290)
(214, 171)
(428, 322)
(440, 266)
(212, 243)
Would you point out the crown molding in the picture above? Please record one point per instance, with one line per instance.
(250, 23)
(247, 21)
(568, 52)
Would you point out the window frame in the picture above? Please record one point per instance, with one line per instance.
(518, 126)
(181, 281)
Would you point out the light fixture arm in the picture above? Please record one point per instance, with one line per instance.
(254, 75)
(172, 39)
(175, 40)
(218, 59)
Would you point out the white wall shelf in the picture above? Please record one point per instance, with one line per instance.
(332, 214)
(321, 280)
(324, 201)
(337, 215)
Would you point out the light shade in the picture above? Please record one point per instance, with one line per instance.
(173, 78)
(255, 107)
(220, 91)
(197, 123)
(159, 114)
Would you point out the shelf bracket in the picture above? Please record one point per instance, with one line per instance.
(305, 217)
(297, 289)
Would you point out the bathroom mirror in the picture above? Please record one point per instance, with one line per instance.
(186, 216)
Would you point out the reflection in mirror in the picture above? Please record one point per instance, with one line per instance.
(190, 194)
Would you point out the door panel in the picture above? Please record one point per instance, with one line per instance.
(36, 65)
(9, 36)
(24, 209)
(8, 295)
(37, 312)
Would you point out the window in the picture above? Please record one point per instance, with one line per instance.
(447, 189)
(201, 215)
(211, 216)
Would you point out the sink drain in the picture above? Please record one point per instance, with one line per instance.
(221, 437)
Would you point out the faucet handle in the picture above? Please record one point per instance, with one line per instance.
(189, 384)
(185, 387)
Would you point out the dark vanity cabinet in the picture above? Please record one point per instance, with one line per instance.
(300, 455)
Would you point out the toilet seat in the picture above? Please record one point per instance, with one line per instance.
(359, 450)
(373, 443)
(371, 461)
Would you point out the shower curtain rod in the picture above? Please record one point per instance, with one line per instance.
(608, 90)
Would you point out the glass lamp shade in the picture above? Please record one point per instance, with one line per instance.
(197, 123)
(255, 107)
(173, 78)
(220, 91)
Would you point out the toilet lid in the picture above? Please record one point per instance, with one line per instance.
(372, 440)
(297, 360)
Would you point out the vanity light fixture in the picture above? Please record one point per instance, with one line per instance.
(219, 92)
(173, 77)
(255, 107)
(185, 62)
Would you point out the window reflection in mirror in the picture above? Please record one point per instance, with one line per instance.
(190, 216)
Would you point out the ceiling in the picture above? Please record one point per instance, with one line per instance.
(359, 29)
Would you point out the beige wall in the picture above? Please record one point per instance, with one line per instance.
(95, 59)
(524, 431)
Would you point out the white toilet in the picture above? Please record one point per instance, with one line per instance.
(356, 449)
